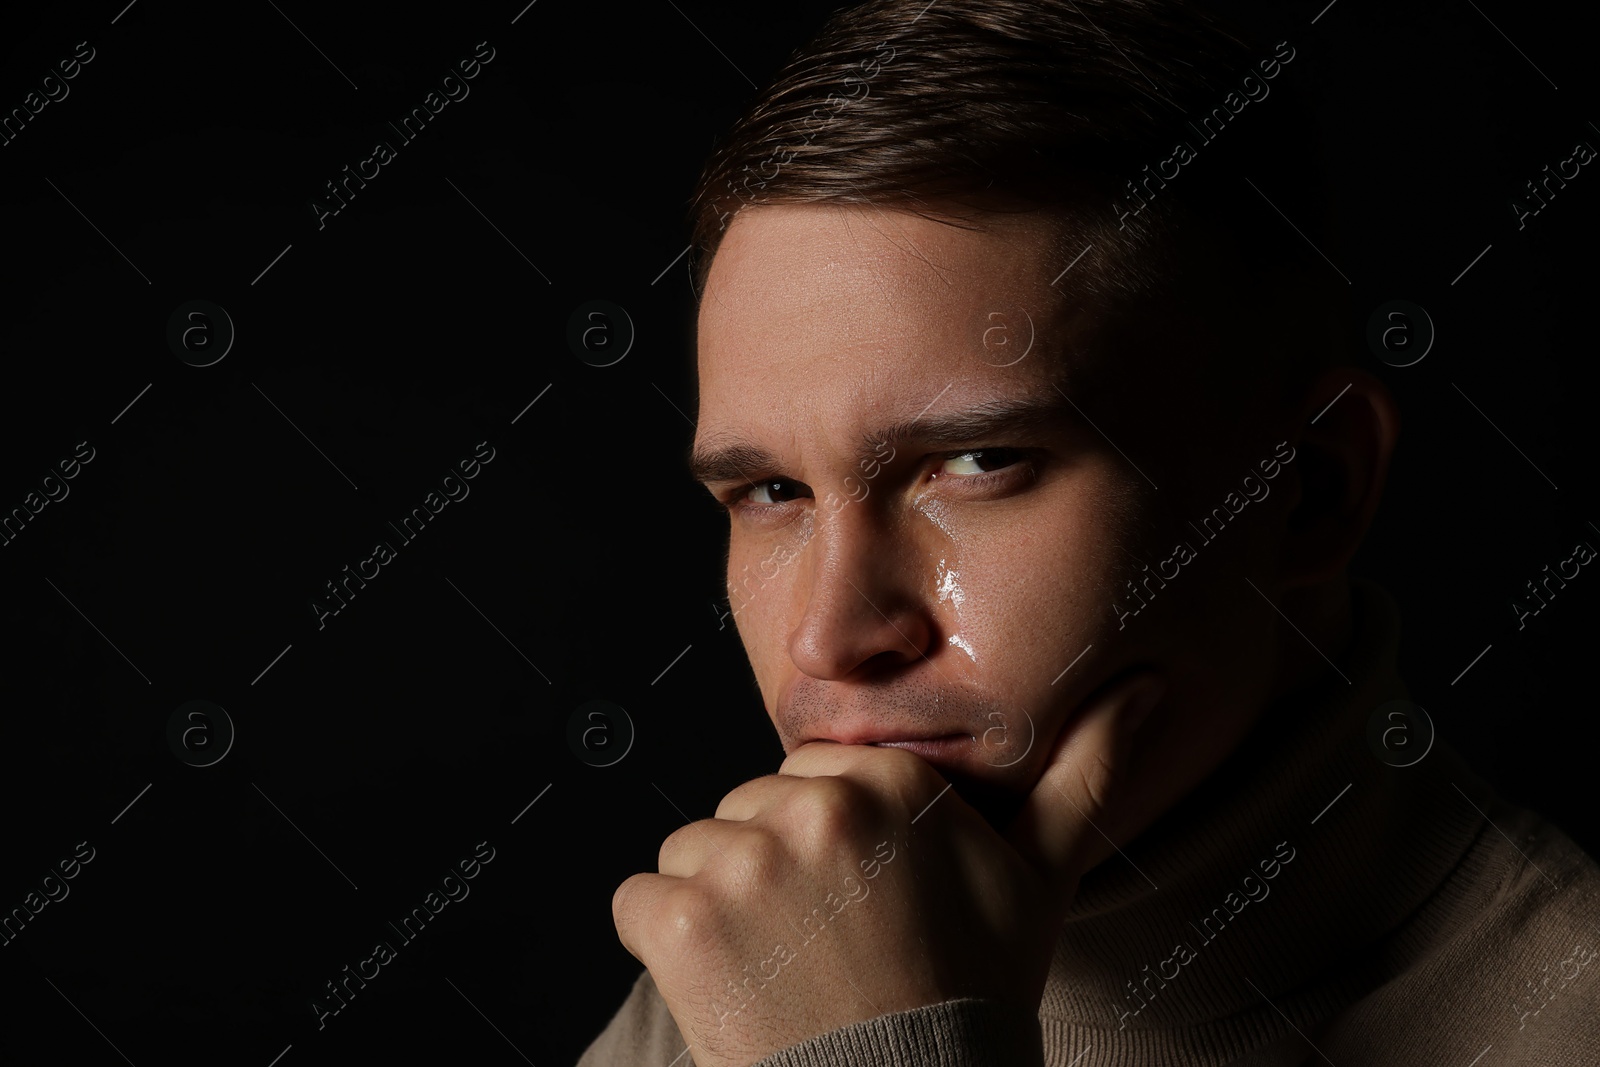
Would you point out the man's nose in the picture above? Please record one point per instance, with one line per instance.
(864, 597)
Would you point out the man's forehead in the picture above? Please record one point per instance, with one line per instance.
(798, 289)
(862, 317)
(789, 254)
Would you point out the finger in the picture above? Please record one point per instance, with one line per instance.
(1055, 829)
(755, 796)
(886, 779)
(688, 849)
(885, 769)
(816, 758)
(632, 905)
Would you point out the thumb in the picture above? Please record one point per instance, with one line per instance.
(1062, 823)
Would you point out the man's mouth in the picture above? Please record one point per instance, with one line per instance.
(936, 750)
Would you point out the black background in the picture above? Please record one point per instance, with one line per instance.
(410, 327)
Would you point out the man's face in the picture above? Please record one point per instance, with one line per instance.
(939, 525)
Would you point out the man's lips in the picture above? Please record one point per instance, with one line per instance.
(946, 749)
(933, 749)
(869, 735)
(1004, 739)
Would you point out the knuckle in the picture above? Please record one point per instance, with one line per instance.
(756, 856)
(687, 914)
(736, 798)
(828, 809)
(664, 853)
(624, 906)
(676, 841)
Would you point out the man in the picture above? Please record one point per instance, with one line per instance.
(1043, 471)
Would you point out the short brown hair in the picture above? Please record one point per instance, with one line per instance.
(965, 106)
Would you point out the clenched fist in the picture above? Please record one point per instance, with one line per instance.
(855, 883)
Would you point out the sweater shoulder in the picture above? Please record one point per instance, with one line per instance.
(1534, 953)
(1513, 964)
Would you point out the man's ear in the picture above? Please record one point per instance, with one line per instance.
(1349, 426)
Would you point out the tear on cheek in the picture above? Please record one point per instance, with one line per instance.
(936, 513)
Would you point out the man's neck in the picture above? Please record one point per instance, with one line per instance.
(1175, 942)
(1165, 772)
(1323, 615)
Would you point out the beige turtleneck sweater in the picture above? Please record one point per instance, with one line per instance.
(1315, 906)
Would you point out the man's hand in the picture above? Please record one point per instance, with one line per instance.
(852, 884)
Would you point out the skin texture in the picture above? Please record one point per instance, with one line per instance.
(897, 586)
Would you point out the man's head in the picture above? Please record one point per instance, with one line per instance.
(993, 437)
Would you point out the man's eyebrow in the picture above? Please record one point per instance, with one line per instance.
(985, 421)
(728, 463)
(991, 420)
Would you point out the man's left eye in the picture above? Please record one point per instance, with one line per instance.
(974, 460)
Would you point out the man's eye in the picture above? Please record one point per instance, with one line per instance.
(979, 461)
(770, 492)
